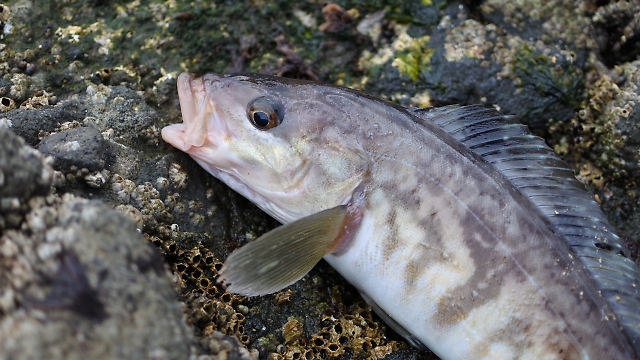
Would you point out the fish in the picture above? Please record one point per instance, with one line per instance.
(461, 229)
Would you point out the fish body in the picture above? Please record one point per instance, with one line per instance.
(456, 224)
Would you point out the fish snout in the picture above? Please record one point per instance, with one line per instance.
(174, 135)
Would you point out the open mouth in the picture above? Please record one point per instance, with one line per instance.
(192, 104)
(201, 124)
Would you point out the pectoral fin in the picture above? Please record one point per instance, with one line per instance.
(284, 255)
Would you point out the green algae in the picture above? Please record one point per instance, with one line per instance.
(413, 57)
(557, 82)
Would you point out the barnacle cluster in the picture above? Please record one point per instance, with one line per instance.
(560, 19)
(211, 308)
(39, 100)
(354, 335)
(469, 39)
(596, 138)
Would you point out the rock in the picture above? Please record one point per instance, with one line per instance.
(84, 286)
(82, 147)
(85, 280)
(28, 124)
(77, 280)
(23, 170)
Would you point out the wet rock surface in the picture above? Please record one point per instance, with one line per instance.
(80, 287)
(30, 125)
(22, 169)
(77, 280)
(82, 147)
(91, 84)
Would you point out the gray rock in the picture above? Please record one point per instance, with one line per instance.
(82, 147)
(85, 280)
(28, 124)
(21, 171)
(77, 280)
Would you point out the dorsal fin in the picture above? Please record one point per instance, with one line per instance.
(530, 165)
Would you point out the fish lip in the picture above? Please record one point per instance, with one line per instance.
(192, 95)
(180, 135)
(185, 95)
(202, 126)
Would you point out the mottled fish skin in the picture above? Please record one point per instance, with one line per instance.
(447, 246)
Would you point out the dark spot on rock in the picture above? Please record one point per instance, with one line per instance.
(153, 262)
(45, 45)
(95, 78)
(263, 353)
(336, 19)
(292, 65)
(74, 54)
(30, 69)
(70, 290)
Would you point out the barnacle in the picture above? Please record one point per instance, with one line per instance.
(95, 179)
(39, 100)
(178, 176)
(595, 139)
(212, 308)
(122, 187)
(7, 104)
(355, 335)
(162, 183)
(151, 134)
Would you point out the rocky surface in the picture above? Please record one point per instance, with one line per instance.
(77, 280)
(115, 227)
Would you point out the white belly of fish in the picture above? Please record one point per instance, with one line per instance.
(409, 278)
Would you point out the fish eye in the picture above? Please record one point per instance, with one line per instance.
(265, 113)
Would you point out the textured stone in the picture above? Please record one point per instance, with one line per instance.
(82, 147)
(23, 170)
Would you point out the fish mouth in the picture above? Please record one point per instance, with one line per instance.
(202, 125)
(192, 103)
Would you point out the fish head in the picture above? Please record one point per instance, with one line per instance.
(269, 139)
